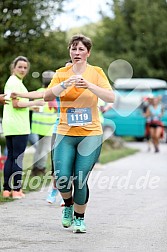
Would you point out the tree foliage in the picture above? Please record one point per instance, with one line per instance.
(136, 32)
(25, 30)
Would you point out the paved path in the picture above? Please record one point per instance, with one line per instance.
(127, 211)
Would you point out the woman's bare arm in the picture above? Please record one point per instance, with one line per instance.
(30, 95)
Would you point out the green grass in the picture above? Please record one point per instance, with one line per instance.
(114, 154)
(108, 154)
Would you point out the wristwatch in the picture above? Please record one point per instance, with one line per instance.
(62, 85)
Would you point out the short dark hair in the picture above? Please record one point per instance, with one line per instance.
(80, 37)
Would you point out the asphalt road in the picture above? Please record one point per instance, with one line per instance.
(127, 211)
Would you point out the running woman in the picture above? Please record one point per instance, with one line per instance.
(79, 133)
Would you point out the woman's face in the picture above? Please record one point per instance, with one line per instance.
(155, 101)
(21, 69)
(79, 53)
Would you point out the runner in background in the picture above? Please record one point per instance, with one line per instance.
(155, 112)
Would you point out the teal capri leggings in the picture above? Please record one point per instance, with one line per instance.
(74, 158)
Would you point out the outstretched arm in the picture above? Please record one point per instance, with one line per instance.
(30, 95)
(23, 104)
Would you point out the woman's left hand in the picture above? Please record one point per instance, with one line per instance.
(81, 82)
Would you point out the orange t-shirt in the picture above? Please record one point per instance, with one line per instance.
(79, 98)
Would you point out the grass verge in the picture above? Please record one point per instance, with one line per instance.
(109, 155)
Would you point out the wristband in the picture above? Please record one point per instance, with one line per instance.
(62, 85)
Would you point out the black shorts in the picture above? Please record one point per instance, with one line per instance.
(155, 125)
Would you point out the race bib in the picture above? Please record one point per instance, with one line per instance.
(79, 116)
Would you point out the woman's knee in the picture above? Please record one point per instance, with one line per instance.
(63, 182)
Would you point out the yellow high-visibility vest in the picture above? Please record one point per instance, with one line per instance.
(44, 120)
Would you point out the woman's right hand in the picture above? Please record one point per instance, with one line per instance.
(39, 103)
(71, 81)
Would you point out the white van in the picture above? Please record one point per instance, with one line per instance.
(140, 83)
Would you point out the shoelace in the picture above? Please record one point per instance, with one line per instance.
(67, 212)
(78, 221)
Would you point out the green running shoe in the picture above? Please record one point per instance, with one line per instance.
(79, 225)
(67, 216)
